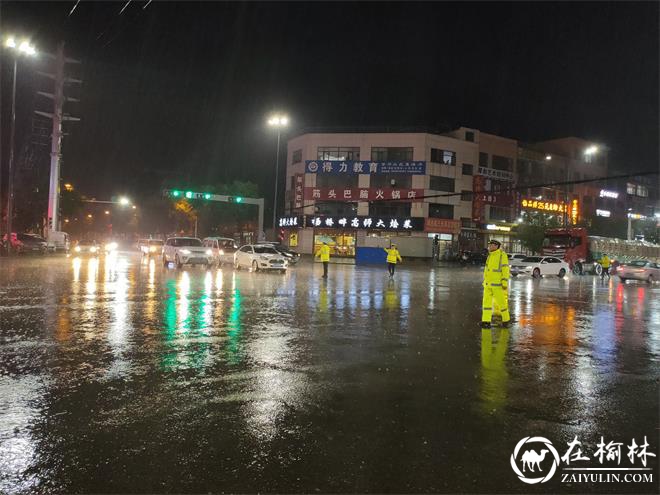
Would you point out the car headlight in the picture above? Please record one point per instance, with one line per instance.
(221, 252)
(209, 252)
(92, 249)
(152, 249)
(185, 251)
(77, 249)
(111, 246)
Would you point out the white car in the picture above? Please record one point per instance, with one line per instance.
(223, 249)
(259, 257)
(538, 266)
(186, 251)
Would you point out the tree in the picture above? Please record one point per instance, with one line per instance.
(532, 233)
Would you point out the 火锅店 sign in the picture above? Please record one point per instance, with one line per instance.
(442, 225)
(364, 167)
(366, 222)
(362, 194)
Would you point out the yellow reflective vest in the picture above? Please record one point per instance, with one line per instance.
(605, 261)
(324, 253)
(392, 255)
(496, 270)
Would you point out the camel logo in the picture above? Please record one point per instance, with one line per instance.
(532, 459)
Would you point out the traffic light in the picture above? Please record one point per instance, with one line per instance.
(281, 236)
(176, 194)
(189, 194)
(207, 196)
(234, 199)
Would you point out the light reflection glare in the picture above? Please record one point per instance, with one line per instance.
(77, 262)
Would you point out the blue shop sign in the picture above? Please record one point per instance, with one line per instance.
(364, 167)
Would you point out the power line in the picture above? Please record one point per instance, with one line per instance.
(500, 191)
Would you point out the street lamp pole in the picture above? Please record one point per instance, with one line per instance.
(279, 122)
(10, 178)
(277, 168)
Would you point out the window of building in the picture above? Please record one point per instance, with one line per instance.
(397, 181)
(441, 211)
(500, 214)
(469, 136)
(339, 181)
(631, 188)
(502, 163)
(442, 184)
(335, 208)
(389, 209)
(467, 223)
(380, 154)
(443, 156)
(296, 157)
(466, 195)
(642, 191)
(337, 153)
(483, 159)
(468, 169)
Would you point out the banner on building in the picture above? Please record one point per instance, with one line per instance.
(442, 225)
(478, 184)
(362, 194)
(298, 192)
(364, 167)
(366, 222)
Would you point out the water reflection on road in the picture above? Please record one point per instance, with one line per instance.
(118, 374)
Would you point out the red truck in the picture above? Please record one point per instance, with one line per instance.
(582, 251)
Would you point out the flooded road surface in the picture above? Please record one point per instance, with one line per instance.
(121, 376)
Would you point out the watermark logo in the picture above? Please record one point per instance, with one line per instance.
(536, 451)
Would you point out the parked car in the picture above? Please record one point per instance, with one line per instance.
(516, 257)
(87, 247)
(27, 243)
(291, 256)
(151, 247)
(223, 249)
(639, 270)
(538, 266)
(259, 257)
(186, 251)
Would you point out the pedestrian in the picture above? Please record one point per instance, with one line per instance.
(496, 281)
(324, 254)
(393, 257)
(605, 264)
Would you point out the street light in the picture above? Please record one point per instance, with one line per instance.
(24, 48)
(548, 157)
(278, 121)
(124, 201)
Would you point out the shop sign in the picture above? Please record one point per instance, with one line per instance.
(374, 223)
(290, 222)
(499, 228)
(362, 194)
(538, 204)
(478, 205)
(444, 225)
(494, 198)
(299, 181)
(293, 239)
(364, 167)
(604, 193)
(603, 213)
(574, 212)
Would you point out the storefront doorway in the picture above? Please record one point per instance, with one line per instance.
(342, 243)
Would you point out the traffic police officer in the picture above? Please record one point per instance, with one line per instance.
(324, 254)
(393, 257)
(496, 280)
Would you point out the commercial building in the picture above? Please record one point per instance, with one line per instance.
(369, 189)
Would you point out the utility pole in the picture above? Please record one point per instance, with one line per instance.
(10, 178)
(58, 118)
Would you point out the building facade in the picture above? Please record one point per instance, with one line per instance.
(371, 189)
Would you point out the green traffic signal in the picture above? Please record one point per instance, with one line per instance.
(176, 194)
(207, 196)
(238, 199)
(189, 194)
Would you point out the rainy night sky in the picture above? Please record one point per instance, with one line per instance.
(182, 89)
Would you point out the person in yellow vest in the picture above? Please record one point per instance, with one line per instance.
(324, 254)
(496, 281)
(393, 257)
(605, 263)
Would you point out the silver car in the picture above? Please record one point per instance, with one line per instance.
(639, 270)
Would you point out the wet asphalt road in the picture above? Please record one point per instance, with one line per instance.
(122, 376)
